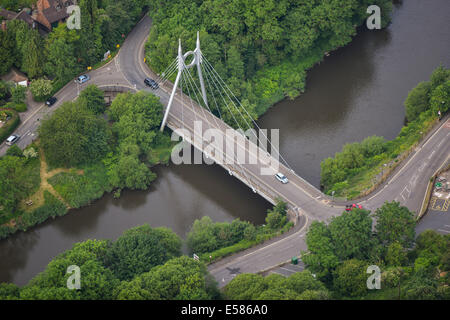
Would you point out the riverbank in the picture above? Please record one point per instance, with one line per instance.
(360, 168)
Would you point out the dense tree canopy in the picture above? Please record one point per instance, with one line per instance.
(97, 282)
(298, 286)
(140, 249)
(17, 181)
(74, 135)
(395, 223)
(136, 121)
(178, 279)
(63, 53)
(347, 236)
(145, 257)
(260, 48)
(92, 99)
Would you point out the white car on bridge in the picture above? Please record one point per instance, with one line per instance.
(282, 178)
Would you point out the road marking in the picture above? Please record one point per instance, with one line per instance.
(447, 124)
(263, 248)
(422, 166)
(289, 270)
(431, 154)
(438, 204)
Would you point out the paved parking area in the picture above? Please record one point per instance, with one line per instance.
(287, 269)
(438, 215)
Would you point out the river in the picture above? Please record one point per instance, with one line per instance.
(356, 92)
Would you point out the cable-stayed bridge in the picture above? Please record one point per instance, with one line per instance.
(197, 106)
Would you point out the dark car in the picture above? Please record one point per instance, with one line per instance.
(151, 83)
(50, 101)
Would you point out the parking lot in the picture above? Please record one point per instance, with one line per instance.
(438, 215)
(287, 269)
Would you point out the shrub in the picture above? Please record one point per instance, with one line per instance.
(20, 107)
(41, 89)
(52, 207)
(14, 150)
(417, 100)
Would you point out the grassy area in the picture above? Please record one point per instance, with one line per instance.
(80, 189)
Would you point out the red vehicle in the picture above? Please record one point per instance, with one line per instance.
(350, 207)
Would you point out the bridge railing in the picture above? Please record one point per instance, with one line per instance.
(257, 186)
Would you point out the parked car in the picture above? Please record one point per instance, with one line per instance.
(151, 83)
(50, 101)
(282, 178)
(12, 139)
(83, 78)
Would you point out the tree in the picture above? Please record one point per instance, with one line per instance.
(320, 258)
(90, 41)
(4, 91)
(351, 234)
(201, 237)
(393, 278)
(41, 89)
(276, 217)
(6, 51)
(73, 135)
(92, 98)
(245, 287)
(97, 282)
(417, 100)
(304, 281)
(18, 94)
(33, 57)
(130, 172)
(9, 291)
(421, 287)
(180, 278)
(395, 223)
(350, 277)
(15, 151)
(440, 98)
(61, 54)
(396, 255)
(136, 117)
(12, 186)
(429, 250)
(140, 249)
(439, 76)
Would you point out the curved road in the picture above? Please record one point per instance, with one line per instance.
(407, 185)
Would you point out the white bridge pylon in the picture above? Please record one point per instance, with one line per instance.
(181, 65)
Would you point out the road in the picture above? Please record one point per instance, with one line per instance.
(407, 185)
